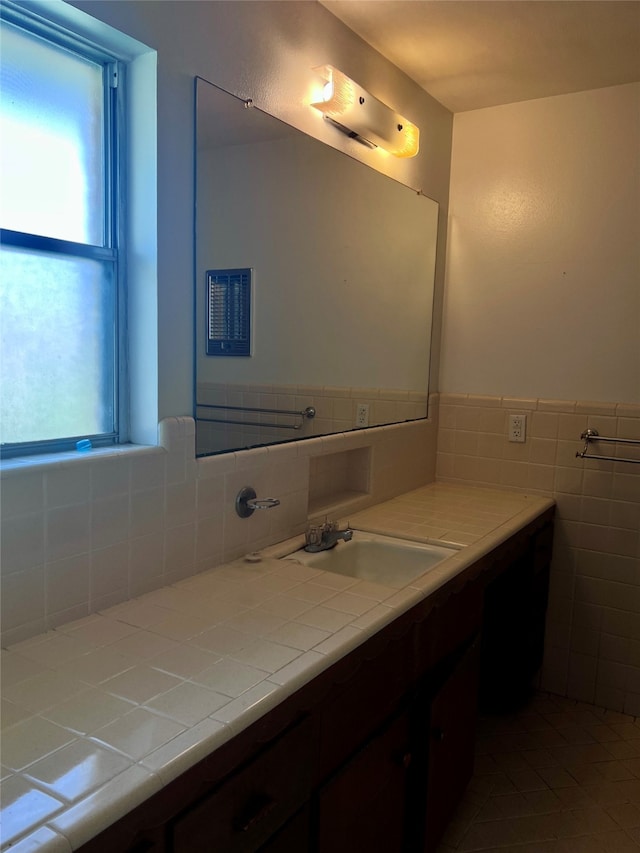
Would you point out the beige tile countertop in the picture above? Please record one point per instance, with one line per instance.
(101, 713)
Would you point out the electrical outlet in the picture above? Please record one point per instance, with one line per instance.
(517, 428)
(362, 415)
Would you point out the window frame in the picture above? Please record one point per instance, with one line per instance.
(112, 250)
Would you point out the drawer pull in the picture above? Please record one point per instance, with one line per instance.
(258, 810)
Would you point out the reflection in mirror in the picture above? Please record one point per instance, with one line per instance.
(338, 263)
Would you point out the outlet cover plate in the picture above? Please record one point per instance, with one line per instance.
(362, 415)
(518, 428)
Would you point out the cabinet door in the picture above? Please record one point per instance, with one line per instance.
(363, 807)
(368, 695)
(451, 745)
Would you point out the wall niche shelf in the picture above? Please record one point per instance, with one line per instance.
(339, 481)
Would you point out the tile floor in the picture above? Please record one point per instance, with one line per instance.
(558, 776)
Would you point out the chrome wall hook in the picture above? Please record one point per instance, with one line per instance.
(247, 502)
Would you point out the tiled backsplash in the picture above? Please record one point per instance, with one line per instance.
(335, 411)
(89, 530)
(593, 624)
(86, 531)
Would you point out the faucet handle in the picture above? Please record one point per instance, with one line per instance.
(247, 502)
(313, 535)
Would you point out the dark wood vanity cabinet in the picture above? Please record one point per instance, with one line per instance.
(374, 753)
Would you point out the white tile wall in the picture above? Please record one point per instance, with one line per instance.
(87, 531)
(593, 625)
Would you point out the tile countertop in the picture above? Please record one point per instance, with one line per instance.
(99, 714)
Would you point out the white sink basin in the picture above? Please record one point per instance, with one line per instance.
(372, 557)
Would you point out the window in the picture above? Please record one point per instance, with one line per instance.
(61, 300)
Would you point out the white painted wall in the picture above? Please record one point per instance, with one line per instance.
(543, 262)
(266, 51)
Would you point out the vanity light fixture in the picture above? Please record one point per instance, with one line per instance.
(355, 112)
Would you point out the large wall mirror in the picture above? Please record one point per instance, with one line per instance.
(314, 284)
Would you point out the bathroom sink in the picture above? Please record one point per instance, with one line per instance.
(373, 557)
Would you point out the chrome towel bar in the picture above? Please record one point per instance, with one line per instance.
(307, 413)
(592, 435)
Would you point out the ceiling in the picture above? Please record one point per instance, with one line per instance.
(470, 54)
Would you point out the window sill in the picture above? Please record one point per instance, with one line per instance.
(51, 460)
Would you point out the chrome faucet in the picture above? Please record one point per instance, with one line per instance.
(321, 537)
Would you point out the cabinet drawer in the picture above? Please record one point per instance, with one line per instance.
(448, 627)
(247, 808)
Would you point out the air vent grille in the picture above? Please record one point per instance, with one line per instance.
(229, 312)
